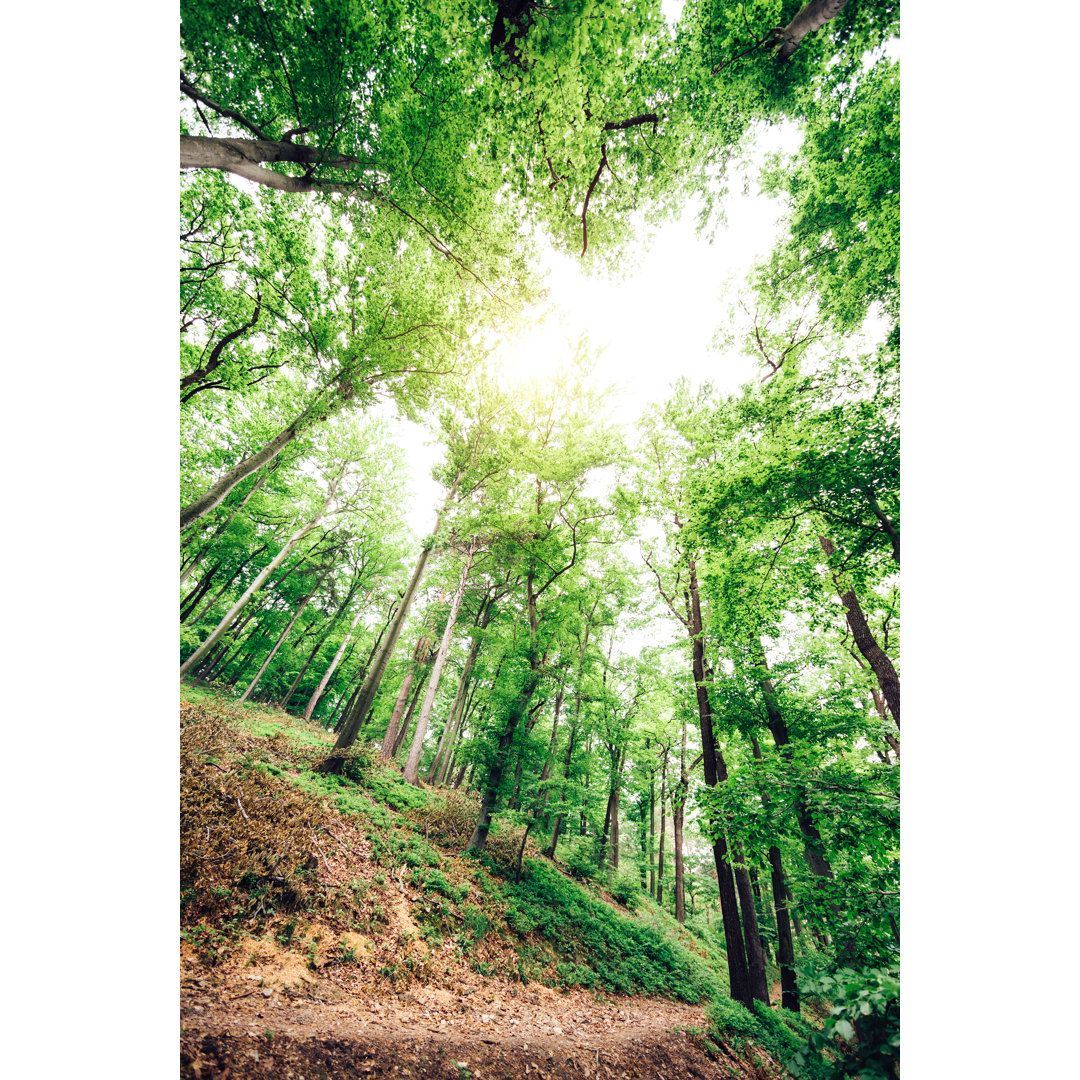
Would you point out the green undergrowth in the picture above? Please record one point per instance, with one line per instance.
(588, 935)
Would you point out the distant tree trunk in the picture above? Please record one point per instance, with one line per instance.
(813, 847)
(553, 745)
(437, 773)
(390, 741)
(678, 806)
(785, 947)
(515, 716)
(407, 722)
(460, 776)
(362, 674)
(412, 765)
(880, 664)
(663, 829)
(277, 645)
(377, 669)
(221, 592)
(652, 833)
(549, 851)
(189, 603)
(328, 674)
(281, 556)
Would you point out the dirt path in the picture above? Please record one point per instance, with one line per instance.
(488, 1030)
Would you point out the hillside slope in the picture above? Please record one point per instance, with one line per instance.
(331, 928)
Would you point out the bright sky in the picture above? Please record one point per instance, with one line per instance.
(651, 328)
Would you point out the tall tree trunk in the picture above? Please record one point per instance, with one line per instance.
(663, 830)
(412, 765)
(813, 847)
(713, 763)
(755, 954)
(553, 745)
(460, 776)
(549, 851)
(785, 947)
(880, 664)
(516, 715)
(390, 741)
(362, 674)
(652, 833)
(318, 693)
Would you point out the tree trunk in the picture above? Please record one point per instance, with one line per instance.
(221, 592)
(214, 496)
(880, 664)
(738, 972)
(212, 640)
(678, 807)
(189, 603)
(407, 722)
(438, 770)
(377, 669)
(193, 562)
(516, 715)
(785, 947)
(755, 954)
(277, 645)
(810, 17)
(663, 830)
(412, 765)
(652, 833)
(314, 699)
(390, 739)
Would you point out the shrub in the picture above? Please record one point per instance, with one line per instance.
(626, 889)
(865, 1016)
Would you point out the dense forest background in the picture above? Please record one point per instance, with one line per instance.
(117, 541)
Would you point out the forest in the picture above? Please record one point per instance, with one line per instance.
(648, 669)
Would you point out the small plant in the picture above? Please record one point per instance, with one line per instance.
(626, 889)
(287, 932)
(348, 952)
(476, 922)
(380, 878)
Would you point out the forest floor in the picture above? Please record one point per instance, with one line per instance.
(273, 1017)
(305, 996)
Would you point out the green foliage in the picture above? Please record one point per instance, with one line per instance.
(626, 889)
(781, 1033)
(863, 1025)
(625, 956)
(434, 881)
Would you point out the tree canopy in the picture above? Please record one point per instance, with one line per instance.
(696, 621)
